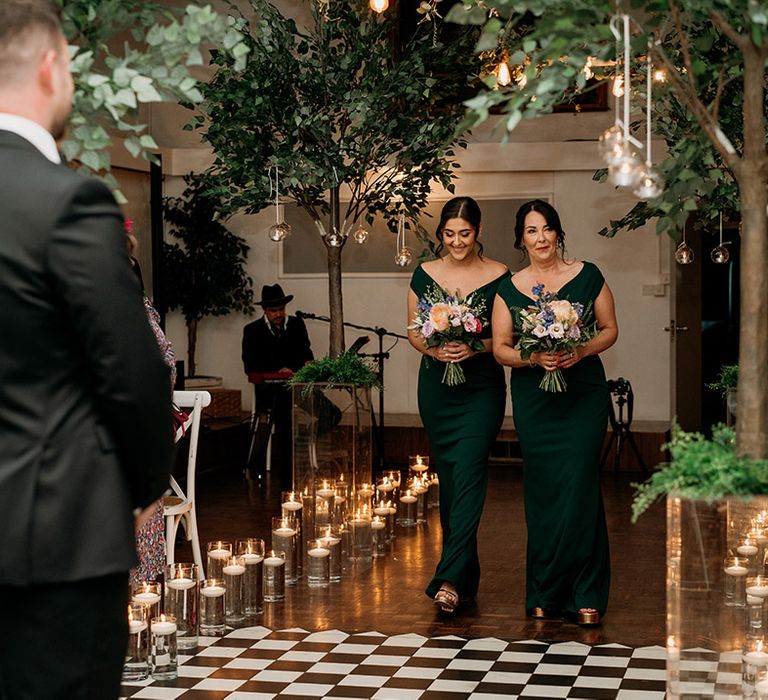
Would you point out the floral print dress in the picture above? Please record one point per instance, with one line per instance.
(150, 537)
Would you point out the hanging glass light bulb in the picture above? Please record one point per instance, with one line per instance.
(618, 86)
(335, 239)
(650, 184)
(612, 144)
(379, 5)
(720, 254)
(609, 139)
(360, 235)
(684, 253)
(280, 230)
(404, 257)
(503, 75)
(626, 171)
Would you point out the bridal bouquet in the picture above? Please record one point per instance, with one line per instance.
(443, 318)
(552, 325)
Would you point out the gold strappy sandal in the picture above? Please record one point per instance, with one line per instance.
(446, 600)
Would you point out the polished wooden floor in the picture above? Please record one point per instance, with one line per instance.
(388, 596)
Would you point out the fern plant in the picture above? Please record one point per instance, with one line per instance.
(347, 368)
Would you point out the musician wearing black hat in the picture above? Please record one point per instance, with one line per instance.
(276, 344)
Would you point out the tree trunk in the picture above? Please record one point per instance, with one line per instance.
(752, 421)
(191, 345)
(335, 300)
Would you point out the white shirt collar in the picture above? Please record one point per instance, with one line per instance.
(32, 132)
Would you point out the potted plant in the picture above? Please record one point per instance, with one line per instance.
(204, 271)
(728, 384)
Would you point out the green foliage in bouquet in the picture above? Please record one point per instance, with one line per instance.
(703, 469)
(727, 379)
(347, 368)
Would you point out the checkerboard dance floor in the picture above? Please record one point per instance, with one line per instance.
(256, 663)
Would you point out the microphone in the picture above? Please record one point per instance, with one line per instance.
(358, 344)
(304, 314)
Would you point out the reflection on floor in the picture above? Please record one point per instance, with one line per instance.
(257, 664)
(452, 657)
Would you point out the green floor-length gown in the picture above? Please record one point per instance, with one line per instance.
(462, 423)
(561, 435)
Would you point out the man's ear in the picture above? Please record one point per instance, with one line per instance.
(46, 72)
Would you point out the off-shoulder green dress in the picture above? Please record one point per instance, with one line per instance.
(561, 435)
(462, 423)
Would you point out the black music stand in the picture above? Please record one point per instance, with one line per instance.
(621, 396)
(265, 387)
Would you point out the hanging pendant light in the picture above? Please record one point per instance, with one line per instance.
(379, 6)
(684, 253)
(611, 139)
(720, 254)
(624, 165)
(404, 255)
(280, 230)
(503, 74)
(650, 183)
(360, 235)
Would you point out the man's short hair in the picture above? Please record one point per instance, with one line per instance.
(28, 28)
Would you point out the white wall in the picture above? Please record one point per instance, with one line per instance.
(561, 170)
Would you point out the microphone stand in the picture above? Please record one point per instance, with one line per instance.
(379, 357)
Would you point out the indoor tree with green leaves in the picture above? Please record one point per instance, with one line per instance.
(204, 272)
(128, 53)
(345, 106)
(711, 111)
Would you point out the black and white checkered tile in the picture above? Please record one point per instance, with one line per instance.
(256, 663)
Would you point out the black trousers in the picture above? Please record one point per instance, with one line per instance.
(63, 641)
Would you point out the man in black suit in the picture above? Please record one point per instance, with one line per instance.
(85, 416)
(276, 343)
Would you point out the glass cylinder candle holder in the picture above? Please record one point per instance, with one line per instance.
(326, 494)
(284, 531)
(291, 502)
(418, 464)
(218, 552)
(234, 598)
(748, 548)
(251, 552)
(318, 564)
(136, 666)
(755, 613)
(148, 593)
(330, 540)
(274, 576)
(364, 496)
(407, 514)
(163, 655)
(381, 509)
(323, 513)
(419, 486)
(757, 587)
(341, 501)
(736, 571)
(360, 534)
(212, 619)
(384, 488)
(433, 495)
(345, 545)
(754, 662)
(379, 535)
(181, 601)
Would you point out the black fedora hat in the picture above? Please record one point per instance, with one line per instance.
(272, 295)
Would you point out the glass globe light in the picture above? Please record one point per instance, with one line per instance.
(608, 139)
(720, 255)
(279, 231)
(626, 171)
(650, 184)
(360, 235)
(379, 5)
(404, 257)
(684, 254)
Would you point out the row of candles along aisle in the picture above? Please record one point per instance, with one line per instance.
(242, 577)
(746, 587)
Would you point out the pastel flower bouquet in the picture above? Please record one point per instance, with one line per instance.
(443, 318)
(552, 325)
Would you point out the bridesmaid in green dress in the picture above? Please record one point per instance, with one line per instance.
(561, 434)
(461, 421)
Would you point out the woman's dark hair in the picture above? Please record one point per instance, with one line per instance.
(550, 216)
(460, 208)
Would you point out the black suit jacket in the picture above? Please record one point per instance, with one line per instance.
(85, 422)
(263, 352)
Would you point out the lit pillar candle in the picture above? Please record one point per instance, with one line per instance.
(163, 659)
